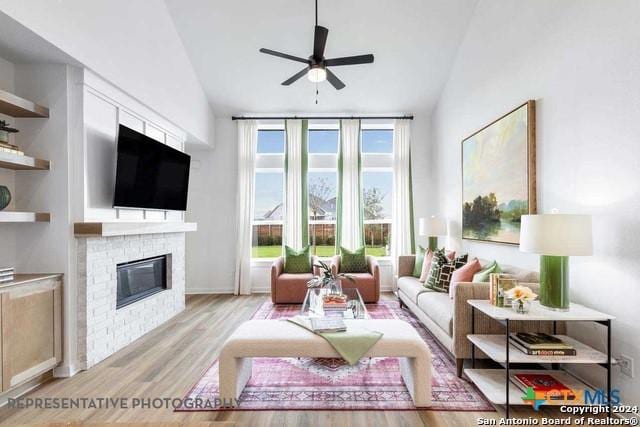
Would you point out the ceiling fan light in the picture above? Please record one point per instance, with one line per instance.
(317, 75)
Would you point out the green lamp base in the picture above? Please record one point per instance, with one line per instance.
(554, 282)
(433, 243)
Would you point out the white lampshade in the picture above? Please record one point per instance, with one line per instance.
(556, 234)
(433, 226)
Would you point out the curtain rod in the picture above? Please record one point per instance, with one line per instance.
(406, 117)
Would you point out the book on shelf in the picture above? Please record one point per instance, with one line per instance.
(6, 270)
(539, 341)
(12, 151)
(543, 352)
(324, 324)
(544, 383)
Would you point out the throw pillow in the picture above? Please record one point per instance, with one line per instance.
(464, 274)
(296, 262)
(483, 275)
(426, 265)
(353, 261)
(442, 269)
(420, 257)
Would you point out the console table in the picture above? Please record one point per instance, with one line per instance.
(495, 384)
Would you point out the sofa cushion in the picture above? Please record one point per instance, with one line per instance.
(291, 288)
(439, 308)
(411, 287)
(353, 261)
(297, 261)
(442, 269)
(464, 274)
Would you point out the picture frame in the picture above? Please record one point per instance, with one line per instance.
(498, 164)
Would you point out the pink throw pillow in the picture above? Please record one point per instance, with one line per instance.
(426, 266)
(464, 274)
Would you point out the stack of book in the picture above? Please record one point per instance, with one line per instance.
(540, 344)
(10, 148)
(554, 389)
(6, 274)
(334, 303)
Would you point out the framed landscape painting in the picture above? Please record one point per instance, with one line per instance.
(499, 177)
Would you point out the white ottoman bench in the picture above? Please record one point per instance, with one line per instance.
(279, 338)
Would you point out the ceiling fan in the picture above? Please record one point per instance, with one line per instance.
(316, 69)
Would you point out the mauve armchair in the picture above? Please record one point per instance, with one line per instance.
(367, 283)
(287, 288)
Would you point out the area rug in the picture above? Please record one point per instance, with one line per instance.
(331, 384)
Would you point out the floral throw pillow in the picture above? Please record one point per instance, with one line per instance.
(442, 269)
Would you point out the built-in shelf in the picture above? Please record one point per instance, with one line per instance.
(20, 162)
(109, 229)
(14, 106)
(10, 216)
(494, 347)
(491, 383)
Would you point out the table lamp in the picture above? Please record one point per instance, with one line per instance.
(433, 227)
(555, 237)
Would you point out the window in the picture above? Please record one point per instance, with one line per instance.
(377, 188)
(268, 207)
(270, 141)
(377, 141)
(322, 188)
(323, 141)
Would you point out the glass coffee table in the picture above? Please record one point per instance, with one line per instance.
(313, 307)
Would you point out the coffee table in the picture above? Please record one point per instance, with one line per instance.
(356, 307)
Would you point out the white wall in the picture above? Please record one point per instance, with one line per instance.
(131, 43)
(211, 251)
(580, 61)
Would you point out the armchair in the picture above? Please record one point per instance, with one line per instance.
(289, 288)
(367, 283)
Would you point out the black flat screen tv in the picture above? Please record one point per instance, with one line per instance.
(149, 174)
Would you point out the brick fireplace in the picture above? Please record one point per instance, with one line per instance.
(103, 328)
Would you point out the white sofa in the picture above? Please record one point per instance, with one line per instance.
(449, 319)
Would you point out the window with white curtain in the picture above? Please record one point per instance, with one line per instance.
(268, 211)
(323, 140)
(377, 186)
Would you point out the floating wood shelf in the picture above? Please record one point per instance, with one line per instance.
(109, 229)
(20, 162)
(14, 106)
(10, 216)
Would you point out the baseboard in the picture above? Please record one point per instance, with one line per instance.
(66, 371)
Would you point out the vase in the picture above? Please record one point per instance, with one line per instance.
(521, 307)
(5, 197)
(334, 287)
(315, 304)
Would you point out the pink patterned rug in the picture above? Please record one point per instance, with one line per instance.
(331, 384)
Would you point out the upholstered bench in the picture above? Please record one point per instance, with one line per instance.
(279, 338)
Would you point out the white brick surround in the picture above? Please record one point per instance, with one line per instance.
(103, 330)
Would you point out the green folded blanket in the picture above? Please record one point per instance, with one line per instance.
(351, 344)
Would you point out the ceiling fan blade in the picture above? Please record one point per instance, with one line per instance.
(334, 80)
(296, 76)
(284, 55)
(349, 60)
(319, 42)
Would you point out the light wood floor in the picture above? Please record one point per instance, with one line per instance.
(170, 359)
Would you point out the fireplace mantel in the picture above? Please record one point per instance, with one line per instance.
(109, 229)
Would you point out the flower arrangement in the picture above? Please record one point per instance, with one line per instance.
(327, 276)
(521, 297)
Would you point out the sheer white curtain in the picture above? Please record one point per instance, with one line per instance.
(350, 221)
(247, 142)
(402, 237)
(295, 225)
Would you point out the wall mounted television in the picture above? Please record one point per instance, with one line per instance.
(149, 174)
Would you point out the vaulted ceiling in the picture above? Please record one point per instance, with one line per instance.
(414, 43)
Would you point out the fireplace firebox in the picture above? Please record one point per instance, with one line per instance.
(141, 279)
